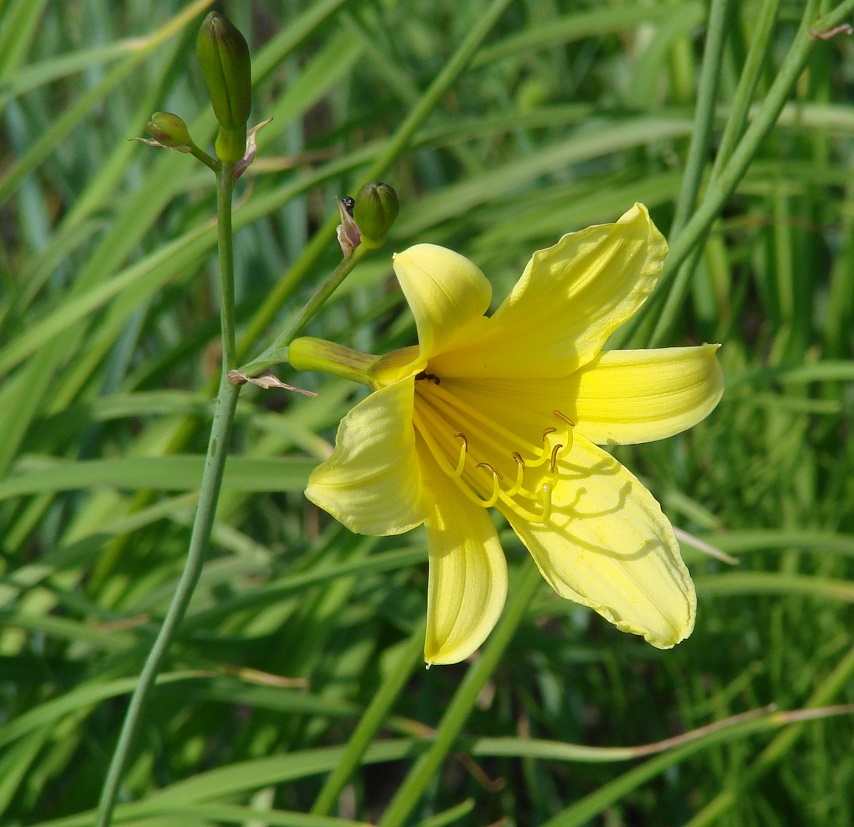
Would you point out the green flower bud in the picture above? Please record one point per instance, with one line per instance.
(169, 130)
(375, 210)
(224, 57)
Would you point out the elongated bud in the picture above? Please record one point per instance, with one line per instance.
(169, 130)
(374, 212)
(224, 58)
(308, 353)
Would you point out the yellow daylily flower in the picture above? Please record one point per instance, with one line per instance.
(506, 412)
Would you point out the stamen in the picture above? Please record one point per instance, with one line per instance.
(435, 416)
(461, 462)
(517, 489)
(454, 408)
(423, 428)
(496, 486)
(520, 471)
(545, 453)
(444, 464)
(529, 516)
(491, 468)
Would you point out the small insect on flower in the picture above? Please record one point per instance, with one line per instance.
(349, 236)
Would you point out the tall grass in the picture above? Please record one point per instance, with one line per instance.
(296, 691)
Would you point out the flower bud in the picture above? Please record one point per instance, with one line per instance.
(308, 353)
(375, 210)
(224, 58)
(168, 130)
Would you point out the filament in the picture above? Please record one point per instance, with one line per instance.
(438, 412)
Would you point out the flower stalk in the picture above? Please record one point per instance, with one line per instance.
(226, 405)
(278, 351)
(225, 62)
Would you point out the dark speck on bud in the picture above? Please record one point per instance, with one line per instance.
(224, 58)
(375, 210)
(348, 202)
(169, 130)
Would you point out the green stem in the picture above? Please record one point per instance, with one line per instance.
(774, 752)
(206, 159)
(424, 772)
(319, 243)
(701, 133)
(751, 72)
(721, 188)
(370, 722)
(278, 352)
(226, 404)
(733, 130)
(225, 246)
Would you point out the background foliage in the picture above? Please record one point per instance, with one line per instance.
(567, 114)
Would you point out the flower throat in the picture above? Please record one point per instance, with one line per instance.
(491, 464)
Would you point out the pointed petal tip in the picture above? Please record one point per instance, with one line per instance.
(658, 246)
(464, 604)
(670, 630)
(678, 632)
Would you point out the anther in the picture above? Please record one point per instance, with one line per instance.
(544, 451)
(553, 465)
(520, 471)
(563, 418)
(489, 467)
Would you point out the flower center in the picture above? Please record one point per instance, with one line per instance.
(492, 464)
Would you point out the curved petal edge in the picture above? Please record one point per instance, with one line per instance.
(609, 546)
(630, 396)
(445, 291)
(372, 482)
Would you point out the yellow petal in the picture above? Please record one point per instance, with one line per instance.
(627, 396)
(608, 546)
(569, 300)
(372, 482)
(445, 291)
(468, 573)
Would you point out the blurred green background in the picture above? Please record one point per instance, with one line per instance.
(567, 113)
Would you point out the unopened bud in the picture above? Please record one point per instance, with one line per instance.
(169, 130)
(224, 58)
(375, 210)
